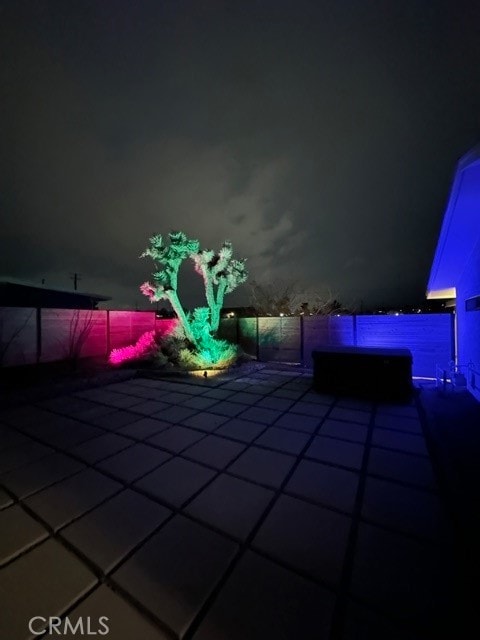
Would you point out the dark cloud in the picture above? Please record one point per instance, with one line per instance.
(320, 137)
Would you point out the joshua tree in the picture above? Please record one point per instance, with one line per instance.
(221, 274)
(166, 278)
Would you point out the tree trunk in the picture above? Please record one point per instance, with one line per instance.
(177, 307)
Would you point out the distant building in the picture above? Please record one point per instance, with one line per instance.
(16, 294)
(455, 272)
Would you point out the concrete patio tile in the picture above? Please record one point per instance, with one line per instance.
(260, 414)
(289, 394)
(176, 481)
(140, 393)
(134, 462)
(199, 402)
(350, 415)
(402, 467)
(235, 386)
(326, 485)
(401, 576)
(313, 409)
(115, 420)
(218, 394)
(176, 439)
(99, 448)
(364, 624)
(22, 454)
(143, 428)
(67, 403)
(64, 436)
(344, 430)
(197, 389)
(240, 430)
(354, 403)
(151, 383)
(205, 421)
(227, 408)
(214, 451)
(346, 454)
(50, 580)
(174, 397)
(175, 414)
(231, 505)
(19, 531)
(310, 539)
(278, 404)
(298, 422)
(39, 474)
(401, 441)
(400, 423)
(26, 416)
(173, 574)
(64, 501)
(262, 600)
(121, 387)
(124, 622)
(95, 412)
(402, 508)
(281, 373)
(409, 411)
(5, 499)
(264, 467)
(319, 398)
(11, 438)
(119, 401)
(109, 532)
(283, 440)
(299, 384)
(150, 407)
(243, 397)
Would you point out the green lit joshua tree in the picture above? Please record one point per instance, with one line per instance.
(170, 257)
(221, 275)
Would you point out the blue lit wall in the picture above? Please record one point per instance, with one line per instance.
(468, 322)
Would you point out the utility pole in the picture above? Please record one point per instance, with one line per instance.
(76, 277)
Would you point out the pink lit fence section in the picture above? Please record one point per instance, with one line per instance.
(126, 327)
(66, 331)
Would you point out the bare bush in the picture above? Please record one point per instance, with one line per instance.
(291, 299)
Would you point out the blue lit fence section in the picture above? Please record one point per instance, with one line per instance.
(429, 337)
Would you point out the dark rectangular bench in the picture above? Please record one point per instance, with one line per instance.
(366, 372)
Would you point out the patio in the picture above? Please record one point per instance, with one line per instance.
(233, 507)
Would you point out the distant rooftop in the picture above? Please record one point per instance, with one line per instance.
(17, 293)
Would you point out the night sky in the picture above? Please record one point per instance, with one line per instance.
(319, 137)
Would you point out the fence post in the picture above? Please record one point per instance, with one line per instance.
(258, 341)
(108, 332)
(38, 313)
(302, 329)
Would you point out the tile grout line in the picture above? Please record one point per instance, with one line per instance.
(340, 609)
(246, 544)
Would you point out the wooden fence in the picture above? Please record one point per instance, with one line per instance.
(44, 335)
(430, 337)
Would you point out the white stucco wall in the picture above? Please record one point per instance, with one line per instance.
(468, 322)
